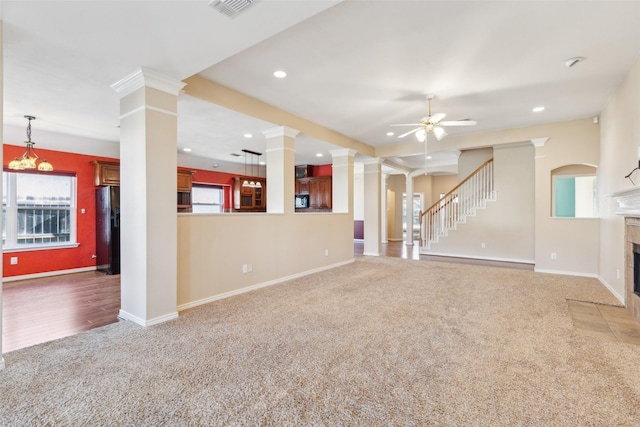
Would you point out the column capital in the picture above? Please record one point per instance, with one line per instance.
(280, 131)
(373, 161)
(342, 152)
(145, 77)
(539, 142)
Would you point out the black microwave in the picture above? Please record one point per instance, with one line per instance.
(302, 201)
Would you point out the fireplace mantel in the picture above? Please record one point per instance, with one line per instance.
(628, 202)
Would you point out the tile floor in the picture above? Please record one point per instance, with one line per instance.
(604, 321)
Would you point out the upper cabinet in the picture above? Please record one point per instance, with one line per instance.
(319, 189)
(108, 173)
(249, 194)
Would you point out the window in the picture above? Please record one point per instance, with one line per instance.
(207, 198)
(38, 210)
(417, 207)
(574, 194)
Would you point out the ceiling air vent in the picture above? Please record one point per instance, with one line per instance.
(230, 7)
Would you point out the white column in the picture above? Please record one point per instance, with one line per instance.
(148, 204)
(408, 178)
(342, 180)
(1, 162)
(385, 208)
(281, 157)
(372, 207)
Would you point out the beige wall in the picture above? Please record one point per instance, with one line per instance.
(619, 152)
(504, 230)
(470, 160)
(395, 188)
(440, 184)
(213, 248)
(574, 241)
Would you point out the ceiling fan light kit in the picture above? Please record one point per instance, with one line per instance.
(433, 123)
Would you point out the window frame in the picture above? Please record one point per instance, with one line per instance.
(207, 186)
(11, 218)
(554, 177)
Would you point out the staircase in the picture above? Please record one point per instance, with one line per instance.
(454, 207)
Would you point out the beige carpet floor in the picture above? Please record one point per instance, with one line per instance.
(379, 342)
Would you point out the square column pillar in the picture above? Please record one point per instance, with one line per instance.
(148, 204)
(372, 207)
(1, 162)
(281, 157)
(342, 180)
(408, 239)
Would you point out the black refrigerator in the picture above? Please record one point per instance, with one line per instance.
(108, 229)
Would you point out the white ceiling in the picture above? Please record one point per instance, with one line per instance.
(353, 66)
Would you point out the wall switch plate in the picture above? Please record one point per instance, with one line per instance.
(14, 260)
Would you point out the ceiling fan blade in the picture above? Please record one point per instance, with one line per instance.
(408, 124)
(437, 117)
(409, 133)
(459, 123)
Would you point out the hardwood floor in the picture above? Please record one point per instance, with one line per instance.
(40, 310)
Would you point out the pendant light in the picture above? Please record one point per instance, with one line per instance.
(29, 160)
(251, 183)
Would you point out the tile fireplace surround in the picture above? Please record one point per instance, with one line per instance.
(629, 206)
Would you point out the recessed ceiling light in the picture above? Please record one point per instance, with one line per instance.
(188, 150)
(319, 154)
(215, 165)
(429, 157)
(390, 133)
(262, 163)
(280, 74)
(248, 135)
(538, 109)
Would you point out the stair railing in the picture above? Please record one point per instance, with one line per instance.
(463, 200)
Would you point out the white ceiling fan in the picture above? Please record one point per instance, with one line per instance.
(433, 123)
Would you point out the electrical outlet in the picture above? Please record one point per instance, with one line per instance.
(554, 255)
(244, 268)
(14, 260)
(326, 252)
(618, 274)
(483, 245)
(249, 268)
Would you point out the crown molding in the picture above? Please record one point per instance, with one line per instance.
(144, 77)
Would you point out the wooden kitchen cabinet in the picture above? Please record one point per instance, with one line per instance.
(319, 190)
(249, 199)
(107, 173)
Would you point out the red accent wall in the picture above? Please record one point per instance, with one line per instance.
(323, 170)
(40, 261)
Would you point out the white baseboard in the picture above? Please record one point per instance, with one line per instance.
(259, 285)
(135, 319)
(613, 291)
(498, 259)
(566, 273)
(47, 274)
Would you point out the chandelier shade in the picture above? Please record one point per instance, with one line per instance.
(29, 159)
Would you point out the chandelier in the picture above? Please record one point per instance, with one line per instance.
(250, 182)
(30, 159)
